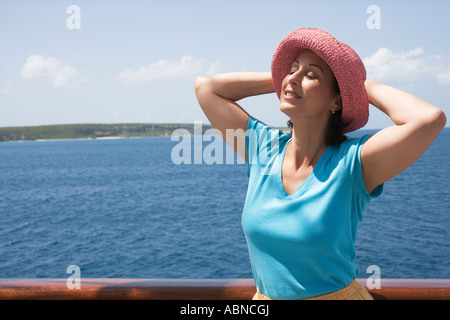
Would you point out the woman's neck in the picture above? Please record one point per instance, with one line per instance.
(307, 144)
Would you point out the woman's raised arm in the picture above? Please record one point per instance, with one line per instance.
(217, 96)
(393, 149)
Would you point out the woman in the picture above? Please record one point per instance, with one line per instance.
(305, 198)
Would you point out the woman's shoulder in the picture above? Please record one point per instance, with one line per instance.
(258, 129)
(348, 152)
(351, 144)
(264, 143)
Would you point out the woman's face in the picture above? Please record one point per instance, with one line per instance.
(308, 91)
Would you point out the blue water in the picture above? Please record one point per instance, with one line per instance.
(121, 208)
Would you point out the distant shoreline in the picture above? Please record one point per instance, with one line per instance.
(97, 138)
(63, 139)
(98, 131)
(93, 131)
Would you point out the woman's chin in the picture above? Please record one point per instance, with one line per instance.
(287, 108)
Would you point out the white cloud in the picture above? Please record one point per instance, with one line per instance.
(60, 74)
(387, 65)
(185, 67)
(406, 66)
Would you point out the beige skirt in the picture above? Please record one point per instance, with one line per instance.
(354, 291)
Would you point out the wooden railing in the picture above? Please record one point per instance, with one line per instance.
(194, 289)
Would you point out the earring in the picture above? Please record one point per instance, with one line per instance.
(333, 111)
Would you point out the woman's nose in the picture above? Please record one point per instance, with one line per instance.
(295, 79)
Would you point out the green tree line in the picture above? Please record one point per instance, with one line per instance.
(92, 131)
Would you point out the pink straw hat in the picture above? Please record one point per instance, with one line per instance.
(345, 63)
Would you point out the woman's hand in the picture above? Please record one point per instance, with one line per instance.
(393, 149)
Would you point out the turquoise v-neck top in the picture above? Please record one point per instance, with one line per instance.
(302, 245)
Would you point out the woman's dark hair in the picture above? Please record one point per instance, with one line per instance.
(336, 125)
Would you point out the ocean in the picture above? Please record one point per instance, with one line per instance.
(121, 208)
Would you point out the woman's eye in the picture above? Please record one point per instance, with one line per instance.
(308, 75)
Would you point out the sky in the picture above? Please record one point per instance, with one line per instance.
(136, 61)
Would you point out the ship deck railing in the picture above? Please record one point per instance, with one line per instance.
(194, 289)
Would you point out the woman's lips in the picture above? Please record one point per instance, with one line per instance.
(289, 94)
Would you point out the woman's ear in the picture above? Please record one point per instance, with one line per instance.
(337, 105)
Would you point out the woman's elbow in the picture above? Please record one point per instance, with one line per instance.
(433, 122)
(200, 82)
(438, 119)
(442, 118)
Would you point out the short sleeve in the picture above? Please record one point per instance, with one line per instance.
(357, 171)
(262, 143)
